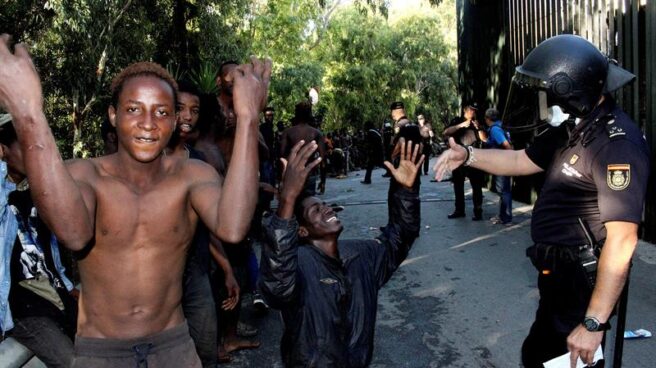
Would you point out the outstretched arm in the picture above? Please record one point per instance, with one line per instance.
(66, 207)
(279, 255)
(403, 225)
(494, 161)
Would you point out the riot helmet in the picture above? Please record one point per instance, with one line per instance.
(566, 72)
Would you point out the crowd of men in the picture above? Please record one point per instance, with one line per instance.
(162, 225)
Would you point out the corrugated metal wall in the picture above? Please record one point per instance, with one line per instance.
(623, 29)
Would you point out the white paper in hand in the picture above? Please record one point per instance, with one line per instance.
(563, 360)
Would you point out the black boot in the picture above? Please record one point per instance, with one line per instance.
(456, 214)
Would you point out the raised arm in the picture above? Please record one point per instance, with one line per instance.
(494, 161)
(67, 209)
(403, 225)
(278, 267)
(228, 211)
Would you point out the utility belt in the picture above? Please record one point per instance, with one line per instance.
(549, 258)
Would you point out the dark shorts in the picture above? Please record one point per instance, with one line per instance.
(171, 348)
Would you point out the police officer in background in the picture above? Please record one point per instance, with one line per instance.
(592, 199)
(397, 113)
(465, 131)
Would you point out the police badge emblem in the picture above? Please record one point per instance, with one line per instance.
(573, 160)
(618, 176)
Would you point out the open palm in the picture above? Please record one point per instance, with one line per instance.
(409, 166)
(450, 160)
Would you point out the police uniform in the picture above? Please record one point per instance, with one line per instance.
(467, 136)
(600, 175)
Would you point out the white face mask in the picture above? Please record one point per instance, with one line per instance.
(556, 116)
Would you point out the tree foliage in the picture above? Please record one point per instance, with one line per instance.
(79, 45)
(359, 58)
(362, 61)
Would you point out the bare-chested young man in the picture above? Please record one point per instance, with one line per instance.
(137, 209)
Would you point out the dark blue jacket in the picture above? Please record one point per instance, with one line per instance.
(328, 304)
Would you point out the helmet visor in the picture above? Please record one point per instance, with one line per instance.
(526, 105)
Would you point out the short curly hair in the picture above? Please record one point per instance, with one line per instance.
(143, 68)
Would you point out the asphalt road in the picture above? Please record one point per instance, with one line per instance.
(465, 296)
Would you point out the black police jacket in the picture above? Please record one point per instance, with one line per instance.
(329, 305)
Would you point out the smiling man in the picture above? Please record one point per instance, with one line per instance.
(327, 289)
(134, 212)
(197, 300)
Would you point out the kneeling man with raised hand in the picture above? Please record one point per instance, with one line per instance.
(327, 289)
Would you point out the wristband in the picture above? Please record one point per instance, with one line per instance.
(470, 156)
(466, 150)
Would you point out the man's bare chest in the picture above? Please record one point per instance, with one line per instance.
(127, 213)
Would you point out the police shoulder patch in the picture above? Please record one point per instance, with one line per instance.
(618, 176)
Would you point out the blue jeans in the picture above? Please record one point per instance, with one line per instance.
(503, 187)
(46, 339)
(200, 311)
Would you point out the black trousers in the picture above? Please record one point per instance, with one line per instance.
(564, 298)
(476, 181)
(370, 168)
(373, 160)
(427, 152)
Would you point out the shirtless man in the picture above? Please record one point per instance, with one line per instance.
(197, 299)
(302, 131)
(240, 255)
(137, 209)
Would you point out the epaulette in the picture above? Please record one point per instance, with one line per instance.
(612, 129)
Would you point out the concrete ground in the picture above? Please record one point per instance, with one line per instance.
(466, 295)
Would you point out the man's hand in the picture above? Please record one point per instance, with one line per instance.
(583, 343)
(409, 166)
(294, 174)
(233, 292)
(20, 86)
(296, 169)
(450, 160)
(250, 87)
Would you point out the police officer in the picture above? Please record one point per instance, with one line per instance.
(592, 199)
(397, 113)
(465, 131)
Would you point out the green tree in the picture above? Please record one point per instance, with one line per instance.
(371, 62)
(360, 59)
(79, 45)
